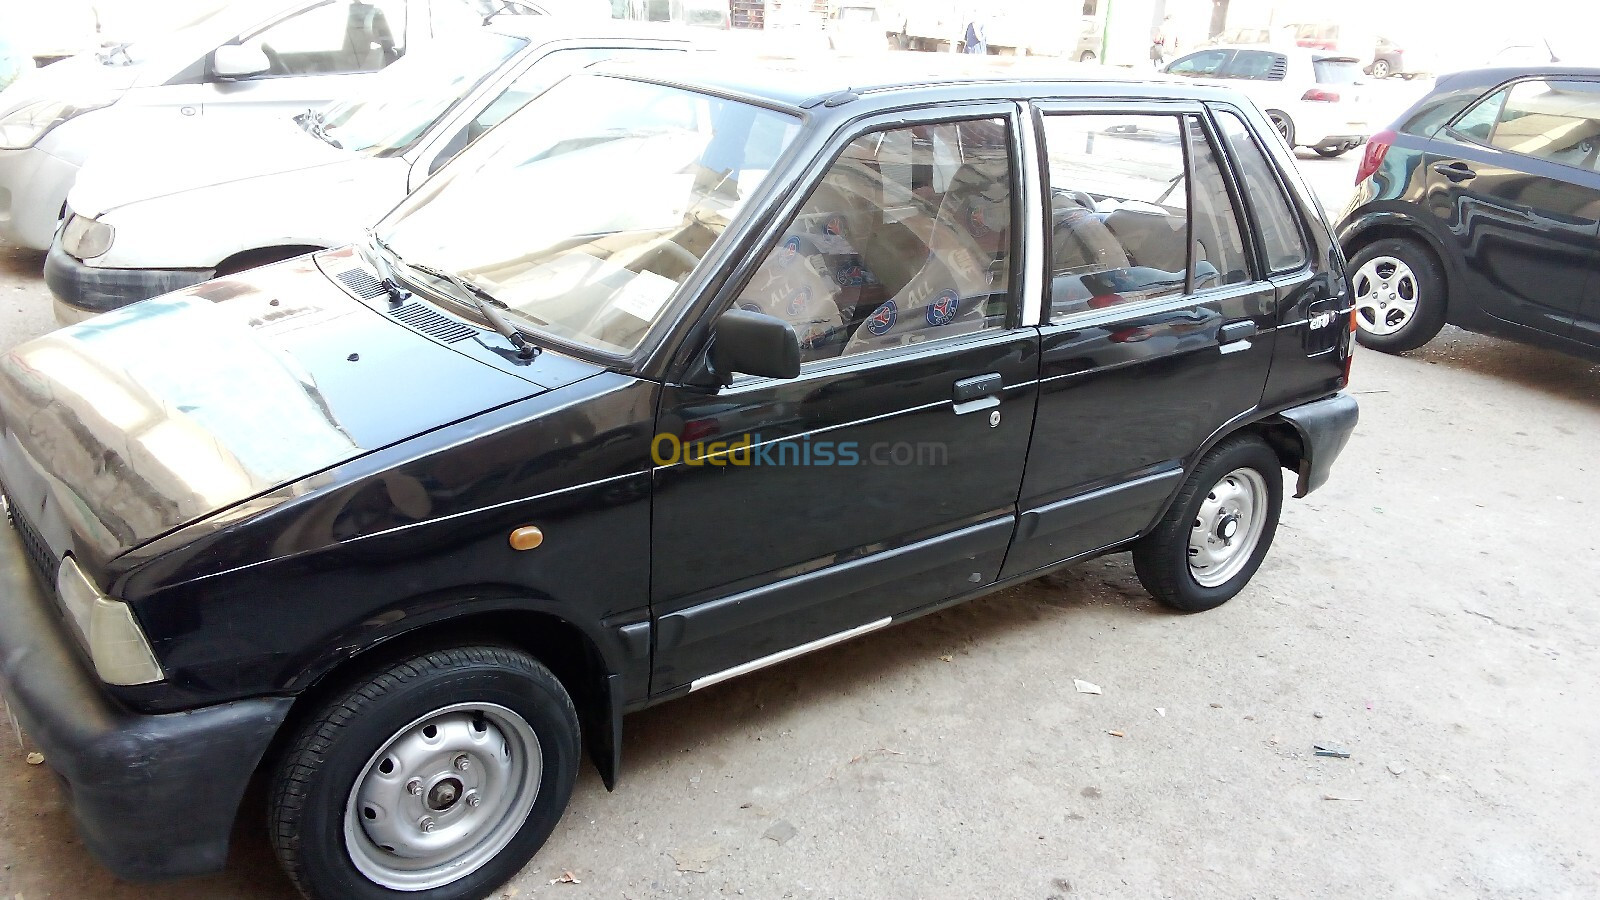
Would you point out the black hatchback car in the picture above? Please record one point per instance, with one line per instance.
(673, 376)
(1481, 207)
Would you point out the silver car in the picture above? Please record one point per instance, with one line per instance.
(235, 57)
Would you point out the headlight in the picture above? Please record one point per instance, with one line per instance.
(86, 238)
(117, 645)
(23, 127)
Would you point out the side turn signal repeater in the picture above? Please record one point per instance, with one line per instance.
(526, 538)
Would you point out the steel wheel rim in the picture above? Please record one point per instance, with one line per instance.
(443, 796)
(1227, 527)
(1386, 295)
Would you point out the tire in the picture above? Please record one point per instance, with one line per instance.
(1284, 124)
(1381, 69)
(1088, 56)
(1211, 541)
(367, 747)
(1330, 152)
(1400, 295)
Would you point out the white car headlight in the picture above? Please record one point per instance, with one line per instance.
(23, 127)
(86, 238)
(117, 645)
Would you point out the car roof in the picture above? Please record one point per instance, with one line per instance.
(1497, 74)
(544, 29)
(805, 81)
(1285, 49)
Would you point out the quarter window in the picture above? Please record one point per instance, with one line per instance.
(1554, 120)
(906, 239)
(1257, 65)
(1281, 236)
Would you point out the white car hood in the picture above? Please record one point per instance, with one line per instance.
(75, 79)
(197, 154)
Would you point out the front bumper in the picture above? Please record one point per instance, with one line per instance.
(153, 796)
(83, 290)
(33, 191)
(1324, 427)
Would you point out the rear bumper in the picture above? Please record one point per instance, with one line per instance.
(153, 796)
(83, 290)
(1324, 427)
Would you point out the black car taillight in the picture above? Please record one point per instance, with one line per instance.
(1372, 158)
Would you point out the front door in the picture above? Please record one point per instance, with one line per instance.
(1515, 182)
(1157, 332)
(883, 478)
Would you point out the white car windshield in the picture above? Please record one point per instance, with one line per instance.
(409, 96)
(586, 210)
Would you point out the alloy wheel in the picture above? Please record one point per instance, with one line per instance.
(1386, 295)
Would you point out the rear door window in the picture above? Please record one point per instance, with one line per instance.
(1257, 65)
(1281, 236)
(1554, 120)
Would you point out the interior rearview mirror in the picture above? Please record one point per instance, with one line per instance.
(753, 343)
(239, 61)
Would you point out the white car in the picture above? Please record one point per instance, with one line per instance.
(234, 57)
(204, 201)
(1314, 97)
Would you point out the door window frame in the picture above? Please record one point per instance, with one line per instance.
(1285, 193)
(1180, 110)
(779, 217)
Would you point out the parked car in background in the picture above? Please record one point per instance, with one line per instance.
(1481, 207)
(856, 27)
(398, 531)
(234, 59)
(1314, 98)
(195, 202)
(12, 62)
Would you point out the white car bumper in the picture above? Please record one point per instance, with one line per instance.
(33, 189)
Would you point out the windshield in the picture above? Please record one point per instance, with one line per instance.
(585, 211)
(409, 96)
(158, 29)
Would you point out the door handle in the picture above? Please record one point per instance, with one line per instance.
(1237, 331)
(1455, 171)
(979, 392)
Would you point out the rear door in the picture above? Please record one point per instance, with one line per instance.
(1515, 182)
(1157, 333)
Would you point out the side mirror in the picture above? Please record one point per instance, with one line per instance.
(753, 343)
(239, 61)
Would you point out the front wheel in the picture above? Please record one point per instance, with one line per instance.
(436, 778)
(1213, 538)
(1400, 295)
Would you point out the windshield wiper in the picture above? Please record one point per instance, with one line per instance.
(486, 303)
(390, 281)
(314, 123)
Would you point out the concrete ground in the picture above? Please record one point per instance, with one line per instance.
(1432, 610)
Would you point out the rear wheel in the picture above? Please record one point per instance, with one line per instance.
(1211, 541)
(1088, 56)
(436, 778)
(1380, 69)
(1399, 293)
(1284, 124)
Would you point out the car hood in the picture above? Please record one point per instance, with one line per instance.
(132, 424)
(81, 78)
(195, 155)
